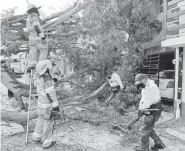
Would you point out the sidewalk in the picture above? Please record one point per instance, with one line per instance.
(171, 132)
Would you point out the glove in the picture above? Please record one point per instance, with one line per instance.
(140, 112)
(56, 109)
(55, 113)
(44, 41)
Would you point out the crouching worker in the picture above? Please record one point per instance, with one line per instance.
(150, 108)
(47, 102)
(37, 39)
(116, 86)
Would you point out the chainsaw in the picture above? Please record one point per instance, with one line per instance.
(54, 117)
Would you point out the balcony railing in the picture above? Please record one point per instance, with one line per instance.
(173, 18)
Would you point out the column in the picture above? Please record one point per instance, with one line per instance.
(183, 87)
(176, 79)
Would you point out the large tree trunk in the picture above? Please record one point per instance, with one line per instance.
(76, 101)
(17, 117)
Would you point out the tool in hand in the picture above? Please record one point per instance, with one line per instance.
(139, 114)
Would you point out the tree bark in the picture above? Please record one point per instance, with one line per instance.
(17, 117)
(76, 101)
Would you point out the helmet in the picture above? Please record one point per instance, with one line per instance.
(42, 67)
(139, 78)
(30, 6)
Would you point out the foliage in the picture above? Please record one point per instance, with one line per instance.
(125, 25)
(119, 28)
(8, 13)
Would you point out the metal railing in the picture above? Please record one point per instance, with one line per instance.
(173, 18)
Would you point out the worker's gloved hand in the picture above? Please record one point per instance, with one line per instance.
(55, 113)
(140, 112)
(44, 41)
(143, 112)
(56, 109)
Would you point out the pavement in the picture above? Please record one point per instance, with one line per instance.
(78, 136)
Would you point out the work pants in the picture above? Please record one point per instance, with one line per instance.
(42, 124)
(38, 52)
(147, 130)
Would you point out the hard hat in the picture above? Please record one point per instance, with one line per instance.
(42, 66)
(139, 78)
(30, 6)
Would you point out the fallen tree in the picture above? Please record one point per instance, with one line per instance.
(75, 101)
(18, 22)
(12, 28)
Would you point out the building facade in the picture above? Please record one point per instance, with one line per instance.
(168, 47)
(173, 36)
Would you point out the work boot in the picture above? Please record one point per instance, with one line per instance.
(158, 145)
(48, 143)
(36, 139)
(141, 148)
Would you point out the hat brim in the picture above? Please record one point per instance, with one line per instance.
(137, 82)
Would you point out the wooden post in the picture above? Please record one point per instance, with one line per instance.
(165, 7)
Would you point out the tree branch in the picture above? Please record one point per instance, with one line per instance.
(68, 14)
(57, 14)
(22, 117)
(67, 78)
(76, 85)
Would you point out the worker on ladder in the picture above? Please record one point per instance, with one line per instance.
(47, 102)
(37, 39)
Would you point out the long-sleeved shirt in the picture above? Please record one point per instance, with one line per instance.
(150, 95)
(34, 20)
(115, 81)
(44, 88)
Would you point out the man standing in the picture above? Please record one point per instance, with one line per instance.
(150, 100)
(47, 102)
(37, 43)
